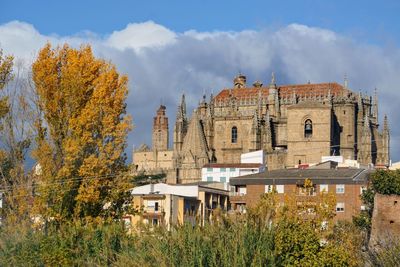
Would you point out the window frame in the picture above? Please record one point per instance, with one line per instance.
(338, 189)
(340, 207)
(308, 133)
(234, 135)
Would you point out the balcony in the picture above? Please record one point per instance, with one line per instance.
(237, 197)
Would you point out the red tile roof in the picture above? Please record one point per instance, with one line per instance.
(285, 91)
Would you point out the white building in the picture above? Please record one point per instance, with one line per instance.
(252, 162)
(165, 205)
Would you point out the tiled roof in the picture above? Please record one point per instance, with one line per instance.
(293, 176)
(319, 89)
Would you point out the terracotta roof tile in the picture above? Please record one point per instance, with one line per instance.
(319, 89)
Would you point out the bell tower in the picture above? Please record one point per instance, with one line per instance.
(160, 130)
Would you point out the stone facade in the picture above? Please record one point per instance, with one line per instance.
(157, 159)
(292, 124)
(385, 219)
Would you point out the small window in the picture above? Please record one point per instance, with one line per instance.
(340, 207)
(156, 206)
(268, 188)
(339, 188)
(323, 188)
(209, 169)
(222, 179)
(209, 179)
(362, 189)
(308, 129)
(222, 169)
(280, 188)
(232, 169)
(234, 135)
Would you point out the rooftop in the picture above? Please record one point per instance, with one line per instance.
(319, 89)
(294, 176)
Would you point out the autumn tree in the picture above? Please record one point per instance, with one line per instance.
(81, 135)
(14, 141)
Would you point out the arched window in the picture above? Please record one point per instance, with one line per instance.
(308, 128)
(234, 134)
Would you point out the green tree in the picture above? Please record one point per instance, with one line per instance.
(81, 135)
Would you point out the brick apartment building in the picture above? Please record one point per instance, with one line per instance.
(346, 183)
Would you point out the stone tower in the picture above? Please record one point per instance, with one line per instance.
(160, 130)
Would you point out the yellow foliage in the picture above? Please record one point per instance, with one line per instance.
(81, 150)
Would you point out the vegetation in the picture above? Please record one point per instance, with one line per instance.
(81, 135)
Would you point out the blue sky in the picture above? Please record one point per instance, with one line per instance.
(170, 47)
(373, 21)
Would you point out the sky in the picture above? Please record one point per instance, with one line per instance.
(196, 47)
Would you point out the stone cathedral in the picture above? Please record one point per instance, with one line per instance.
(292, 124)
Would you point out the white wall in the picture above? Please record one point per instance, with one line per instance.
(162, 189)
(216, 173)
(252, 157)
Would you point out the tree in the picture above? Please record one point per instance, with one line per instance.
(14, 142)
(81, 134)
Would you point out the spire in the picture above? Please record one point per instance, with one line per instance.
(366, 122)
(272, 85)
(360, 102)
(195, 142)
(385, 124)
(375, 105)
(345, 81)
(182, 107)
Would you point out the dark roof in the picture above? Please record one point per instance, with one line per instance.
(232, 165)
(295, 176)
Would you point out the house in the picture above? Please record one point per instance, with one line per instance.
(166, 205)
(346, 183)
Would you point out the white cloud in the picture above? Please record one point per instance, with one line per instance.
(141, 35)
(161, 64)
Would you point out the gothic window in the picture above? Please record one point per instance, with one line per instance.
(308, 128)
(234, 134)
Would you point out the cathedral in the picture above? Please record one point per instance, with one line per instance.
(291, 124)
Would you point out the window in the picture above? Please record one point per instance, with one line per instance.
(155, 221)
(323, 188)
(234, 135)
(209, 179)
(232, 169)
(324, 225)
(340, 207)
(222, 179)
(280, 188)
(308, 128)
(268, 188)
(362, 189)
(222, 169)
(339, 188)
(156, 206)
(209, 169)
(242, 191)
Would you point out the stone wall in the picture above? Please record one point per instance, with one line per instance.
(385, 219)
